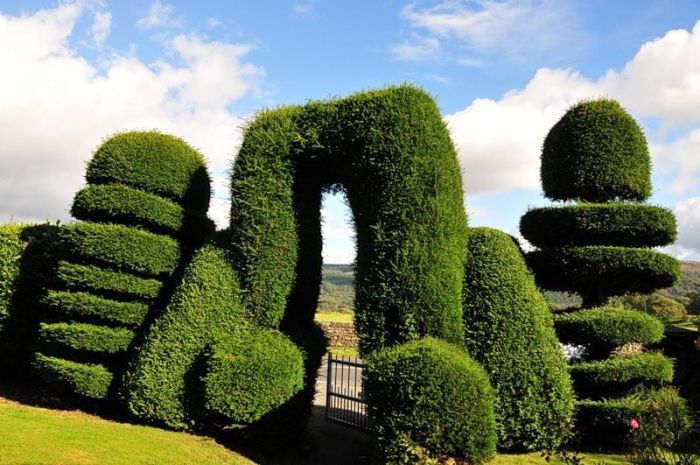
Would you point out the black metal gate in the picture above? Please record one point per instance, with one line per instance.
(345, 403)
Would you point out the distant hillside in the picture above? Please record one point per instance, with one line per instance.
(690, 281)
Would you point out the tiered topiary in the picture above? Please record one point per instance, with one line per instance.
(143, 209)
(601, 247)
(509, 330)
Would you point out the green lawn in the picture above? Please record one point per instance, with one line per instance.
(37, 436)
(536, 459)
(335, 317)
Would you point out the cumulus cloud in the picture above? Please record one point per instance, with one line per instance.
(159, 15)
(688, 217)
(57, 107)
(510, 28)
(101, 27)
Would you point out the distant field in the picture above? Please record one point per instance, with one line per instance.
(337, 289)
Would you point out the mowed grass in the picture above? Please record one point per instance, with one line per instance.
(536, 459)
(334, 317)
(37, 436)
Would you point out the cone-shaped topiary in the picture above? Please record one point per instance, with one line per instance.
(509, 330)
(145, 203)
(598, 153)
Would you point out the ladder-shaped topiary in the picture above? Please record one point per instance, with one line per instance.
(143, 210)
(600, 247)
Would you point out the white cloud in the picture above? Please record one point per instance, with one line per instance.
(101, 27)
(512, 29)
(688, 217)
(303, 7)
(681, 159)
(160, 15)
(417, 49)
(57, 107)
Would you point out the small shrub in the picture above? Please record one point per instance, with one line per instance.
(86, 379)
(83, 306)
(83, 337)
(434, 394)
(77, 277)
(596, 152)
(251, 373)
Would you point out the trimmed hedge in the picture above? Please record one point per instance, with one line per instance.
(205, 306)
(115, 203)
(86, 379)
(435, 394)
(605, 377)
(154, 162)
(391, 151)
(598, 272)
(621, 224)
(596, 152)
(82, 305)
(97, 280)
(509, 330)
(250, 374)
(11, 246)
(123, 247)
(602, 329)
(84, 337)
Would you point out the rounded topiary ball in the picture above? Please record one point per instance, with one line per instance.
(596, 152)
(435, 394)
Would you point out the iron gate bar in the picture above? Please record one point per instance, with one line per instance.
(345, 403)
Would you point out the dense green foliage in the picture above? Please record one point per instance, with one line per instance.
(106, 282)
(115, 203)
(83, 305)
(122, 247)
(205, 306)
(622, 224)
(598, 272)
(434, 394)
(89, 380)
(250, 374)
(596, 152)
(11, 246)
(509, 330)
(658, 305)
(602, 329)
(154, 162)
(602, 378)
(84, 337)
(392, 153)
(337, 293)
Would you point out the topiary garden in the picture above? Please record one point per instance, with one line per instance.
(142, 307)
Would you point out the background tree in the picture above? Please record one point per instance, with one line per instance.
(599, 247)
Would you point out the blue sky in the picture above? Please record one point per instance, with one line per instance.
(501, 71)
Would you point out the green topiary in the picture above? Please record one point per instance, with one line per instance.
(86, 379)
(435, 394)
(117, 203)
(596, 152)
(154, 162)
(85, 305)
(106, 282)
(605, 377)
(250, 374)
(83, 337)
(509, 330)
(11, 246)
(622, 224)
(205, 306)
(602, 329)
(122, 247)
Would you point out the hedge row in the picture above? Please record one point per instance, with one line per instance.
(435, 394)
(602, 329)
(84, 337)
(616, 224)
(596, 152)
(251, 373)
(83, 305)
(86, 379)
(122, 247)
(598, 272)
(154, 162)
(509, 330)
(115, 203)
(11, 246)
(77, 277)
(391, 151)
(205, 306)
(603, 378)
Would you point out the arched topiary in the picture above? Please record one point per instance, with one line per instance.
(598, 153)
(509, 330)
(433, 394)
(145, 204)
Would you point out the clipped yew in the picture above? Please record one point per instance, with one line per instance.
(596, 155)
